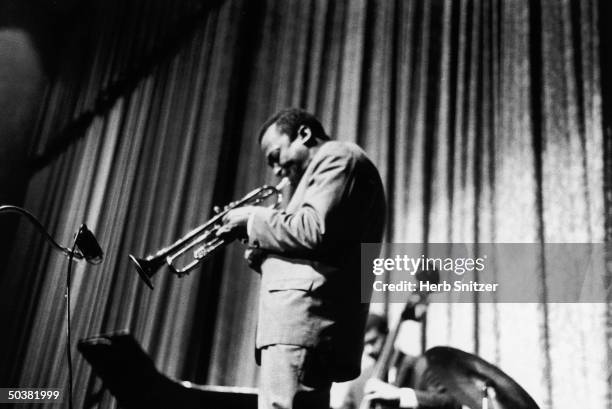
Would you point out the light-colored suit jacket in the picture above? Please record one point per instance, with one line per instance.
(310, 289)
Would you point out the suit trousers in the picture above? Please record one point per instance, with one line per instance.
(288, 380)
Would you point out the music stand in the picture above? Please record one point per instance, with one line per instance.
(130, 375)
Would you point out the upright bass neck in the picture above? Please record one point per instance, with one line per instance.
(384, 362)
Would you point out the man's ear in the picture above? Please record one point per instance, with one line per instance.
(305, 135)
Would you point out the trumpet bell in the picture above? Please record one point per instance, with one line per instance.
(200, 243)
(147, 268)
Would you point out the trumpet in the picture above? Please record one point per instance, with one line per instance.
(202, 241)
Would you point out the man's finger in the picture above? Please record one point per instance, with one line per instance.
(222, 231)
(372, 396)
(371, 385)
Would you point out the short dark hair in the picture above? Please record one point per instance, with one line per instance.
(289, 121)
(377, 322)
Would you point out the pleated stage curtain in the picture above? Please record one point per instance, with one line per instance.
(484, 118)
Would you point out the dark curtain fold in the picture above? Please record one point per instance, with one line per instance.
(484, 118)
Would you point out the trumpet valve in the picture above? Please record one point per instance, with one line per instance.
(200, 252)
(207, 248)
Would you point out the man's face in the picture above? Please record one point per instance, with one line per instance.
(372, 343)
(287, 158)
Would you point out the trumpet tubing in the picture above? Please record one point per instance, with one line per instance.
(199, 244)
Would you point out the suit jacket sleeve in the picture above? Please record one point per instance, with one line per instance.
(316, 222)
(435, 399)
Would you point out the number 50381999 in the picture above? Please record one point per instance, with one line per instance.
(29, 395)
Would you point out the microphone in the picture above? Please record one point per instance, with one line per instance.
(88, 245)
(84, 240)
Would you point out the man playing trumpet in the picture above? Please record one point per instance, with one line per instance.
(311, 318)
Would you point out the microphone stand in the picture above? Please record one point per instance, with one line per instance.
(84, 239)
(85, 247)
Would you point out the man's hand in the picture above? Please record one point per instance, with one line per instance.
(254, 257)
(235, 223)
(378, 391)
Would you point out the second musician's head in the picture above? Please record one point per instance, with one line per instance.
(289, 140)
(376, 330)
